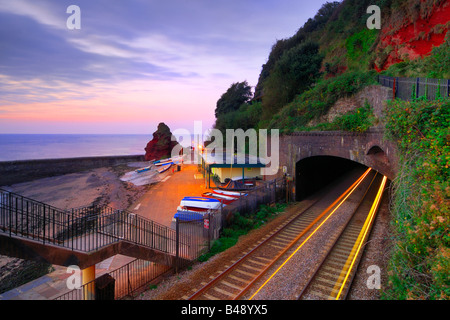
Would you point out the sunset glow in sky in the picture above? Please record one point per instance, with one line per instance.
(133, 63)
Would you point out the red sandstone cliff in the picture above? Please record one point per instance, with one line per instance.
(161, 145)
(412, 31)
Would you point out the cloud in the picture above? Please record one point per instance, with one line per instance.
(43, 12)
(134, 59)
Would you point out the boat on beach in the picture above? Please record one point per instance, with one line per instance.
(164, 163)
(200, 203)
(143, 169)
(237, 185)
(223, 198)
(235, 194)
(164, 167)
(183, 215)
(194, 208)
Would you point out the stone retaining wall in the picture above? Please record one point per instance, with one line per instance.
(12, 172)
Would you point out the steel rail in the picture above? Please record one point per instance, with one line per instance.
(335, 242)
(285, 225)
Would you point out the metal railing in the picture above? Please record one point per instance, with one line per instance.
(91, 228)
(412, 88)
(269, 193)
(119, 283)
(83, 229)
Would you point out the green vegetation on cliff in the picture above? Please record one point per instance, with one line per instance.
(334, 56)
(420, 263)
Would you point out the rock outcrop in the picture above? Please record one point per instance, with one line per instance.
(411, 34)
(161, 145)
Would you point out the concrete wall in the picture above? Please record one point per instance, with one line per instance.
(12, 172)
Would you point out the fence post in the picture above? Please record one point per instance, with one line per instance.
(10, 214)
(43, 233)
(177, 244)
(128, 279)
(417, 87)
(72, 235)
(209, 231)
(394, 85)
(448, 88)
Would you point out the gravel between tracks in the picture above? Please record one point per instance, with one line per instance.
(175, 287)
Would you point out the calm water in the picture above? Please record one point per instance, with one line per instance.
(53, 146)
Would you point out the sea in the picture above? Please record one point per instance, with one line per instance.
(57, 146)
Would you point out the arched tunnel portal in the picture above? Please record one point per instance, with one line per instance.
(314, 173)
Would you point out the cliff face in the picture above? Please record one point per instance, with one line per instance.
(161, 145)
(411, 34)
(409, 30)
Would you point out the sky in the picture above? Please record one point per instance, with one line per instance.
(132, 63)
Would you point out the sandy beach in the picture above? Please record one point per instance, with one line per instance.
(101, 186)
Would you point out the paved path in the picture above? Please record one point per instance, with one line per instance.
(159, 204)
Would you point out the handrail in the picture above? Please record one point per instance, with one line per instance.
(101, 226)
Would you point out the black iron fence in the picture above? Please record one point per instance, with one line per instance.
(199, 233)
(268, 193)
(195, 236)
(83, 229)
(412, 88)
(91, 228)
(122, 282)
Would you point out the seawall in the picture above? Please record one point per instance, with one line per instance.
(12, 172)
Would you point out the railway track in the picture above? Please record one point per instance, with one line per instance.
(333, 277)
(236, 280)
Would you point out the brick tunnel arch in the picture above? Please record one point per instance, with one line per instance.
(375, 150)
(315, 172)
(368, 149)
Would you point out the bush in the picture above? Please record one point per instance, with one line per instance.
(358, 120)
(318, 100)
(420, 262)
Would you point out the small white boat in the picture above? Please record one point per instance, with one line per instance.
(143, 169)
(164, 162)
(200, 203)
(236, 194)
(164, 167)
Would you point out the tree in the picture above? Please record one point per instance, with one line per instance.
(233, 98)
(293, 73)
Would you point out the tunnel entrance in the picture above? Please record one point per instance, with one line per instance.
(314, 173)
